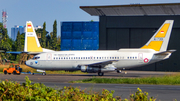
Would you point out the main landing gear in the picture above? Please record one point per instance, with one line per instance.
(119, 71)
(100, 73)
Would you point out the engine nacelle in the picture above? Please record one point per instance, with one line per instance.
(88, 69)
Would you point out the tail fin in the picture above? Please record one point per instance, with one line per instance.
(31, 41)
(160, 39)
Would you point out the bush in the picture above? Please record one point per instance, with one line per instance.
(14, 91)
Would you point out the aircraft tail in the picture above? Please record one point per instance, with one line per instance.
(31, 41)
(159, 41)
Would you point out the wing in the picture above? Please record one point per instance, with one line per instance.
(99, 64)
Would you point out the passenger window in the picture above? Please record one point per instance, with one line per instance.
(112, 57)
(99, 57)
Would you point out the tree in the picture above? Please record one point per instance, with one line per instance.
(4, 42)
(18, 42)
(22, 41)
(43, 36)
(54, 36)
(48, 42)
(58, 42)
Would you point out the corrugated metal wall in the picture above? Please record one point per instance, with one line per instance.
(134, 31)
(79, 35)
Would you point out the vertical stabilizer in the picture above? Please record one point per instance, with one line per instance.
(31, 41)
(160, 39)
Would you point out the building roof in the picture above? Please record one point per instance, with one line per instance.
(133, 9)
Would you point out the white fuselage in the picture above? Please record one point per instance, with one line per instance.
(70, 60)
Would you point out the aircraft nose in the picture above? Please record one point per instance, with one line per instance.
(27, 63)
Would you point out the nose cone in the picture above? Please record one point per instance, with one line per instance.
(27, 63)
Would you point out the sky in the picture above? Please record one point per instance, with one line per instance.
(40, 11)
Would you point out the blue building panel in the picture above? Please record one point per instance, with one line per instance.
(83, 35)
(95, 44)
(76, 44)
(66, 43)
(76, 35)
(87, 44)
(66, 26)
(87, 35)
(95, 35)
(66, 35)
(77, 26)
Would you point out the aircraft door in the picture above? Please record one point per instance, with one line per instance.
(140, 56)
(49, 56)
(48, 59)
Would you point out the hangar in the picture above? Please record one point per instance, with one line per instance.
(131, 26)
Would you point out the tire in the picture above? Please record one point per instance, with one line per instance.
(14, 72)
(43, 73)
(5, 72)
(118, 71)
(9, 73)
(100, 73)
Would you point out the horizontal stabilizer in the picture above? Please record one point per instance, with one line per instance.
(165, 52)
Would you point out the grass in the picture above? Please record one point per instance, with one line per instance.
(26, 69)
(164, 80)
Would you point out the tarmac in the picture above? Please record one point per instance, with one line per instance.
(161, 92)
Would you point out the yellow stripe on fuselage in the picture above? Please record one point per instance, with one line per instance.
(32, 45)
(163, 31)
(156, 45)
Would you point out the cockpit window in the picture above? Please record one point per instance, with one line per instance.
(36, 57)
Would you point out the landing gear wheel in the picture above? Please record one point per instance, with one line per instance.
(5, 72)
(14, 72)
(43, 73)
(100, 73)
(118, 71)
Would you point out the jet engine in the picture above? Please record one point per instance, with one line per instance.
(89, 69)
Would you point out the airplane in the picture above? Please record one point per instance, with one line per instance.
(101, 61)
